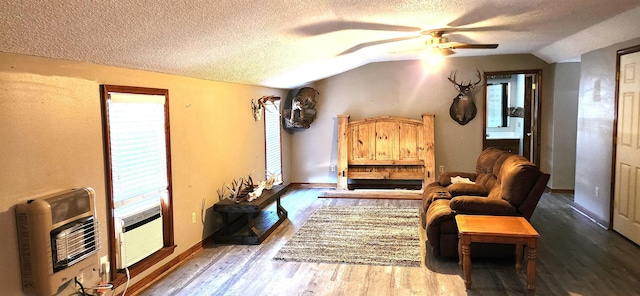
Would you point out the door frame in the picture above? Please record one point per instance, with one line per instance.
(532, 115)
(619, 53)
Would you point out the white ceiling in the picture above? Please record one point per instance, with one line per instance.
(285, 44)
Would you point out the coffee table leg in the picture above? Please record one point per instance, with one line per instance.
(519, 255)
(459, 249)
(531, 264)
(466, 259)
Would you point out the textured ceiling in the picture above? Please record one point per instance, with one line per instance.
(285, 44)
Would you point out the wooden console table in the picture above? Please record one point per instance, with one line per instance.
(246, 223)
(497, 229)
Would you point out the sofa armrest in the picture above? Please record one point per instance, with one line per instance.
(445, 177)
(460, 189)
(433, 192)
(482, 206)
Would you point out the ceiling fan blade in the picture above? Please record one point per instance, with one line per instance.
(447, 51)
(423, 50)
(413, 50)
(478, 46)
(466, 45)
(450, 31)
(338, 25)
(372, 43)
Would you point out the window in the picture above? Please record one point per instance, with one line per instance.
(136, 123)
(272, 140)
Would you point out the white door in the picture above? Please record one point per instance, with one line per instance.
(626, 205)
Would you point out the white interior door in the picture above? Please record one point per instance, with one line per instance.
(626, 206)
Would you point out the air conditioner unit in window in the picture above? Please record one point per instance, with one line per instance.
(58, 239)
(139, 235)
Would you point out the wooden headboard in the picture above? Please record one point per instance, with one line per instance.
(386, 147)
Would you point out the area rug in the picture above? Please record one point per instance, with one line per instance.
(358, 235)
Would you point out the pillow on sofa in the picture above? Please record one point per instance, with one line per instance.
(445, 178)
(458, 179)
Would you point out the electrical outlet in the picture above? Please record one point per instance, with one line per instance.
(105, 268)
(103, 260)
(333, 168)
(80, 279)
(193, 218)
(597, 191)
(441, 169)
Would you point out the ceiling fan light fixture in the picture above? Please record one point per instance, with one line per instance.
(433, 56)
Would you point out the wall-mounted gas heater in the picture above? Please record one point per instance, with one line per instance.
(58, 239)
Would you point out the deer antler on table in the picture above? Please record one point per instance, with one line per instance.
(235, 189)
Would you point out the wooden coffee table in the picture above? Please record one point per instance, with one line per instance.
(497, 229)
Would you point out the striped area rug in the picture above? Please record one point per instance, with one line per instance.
(357, 235)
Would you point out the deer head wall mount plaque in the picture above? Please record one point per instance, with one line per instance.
(463, 109)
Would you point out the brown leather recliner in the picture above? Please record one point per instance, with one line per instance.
(504, 184)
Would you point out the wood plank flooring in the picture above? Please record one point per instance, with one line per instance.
(575, 257)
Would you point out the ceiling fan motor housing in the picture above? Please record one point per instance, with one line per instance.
(435, 41)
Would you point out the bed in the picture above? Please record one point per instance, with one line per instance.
(385, 148)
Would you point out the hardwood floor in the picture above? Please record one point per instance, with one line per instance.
(575, 257)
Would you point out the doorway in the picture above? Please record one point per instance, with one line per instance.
(511, 112)
(626, 159)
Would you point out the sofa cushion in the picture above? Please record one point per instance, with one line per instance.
(487, 159)
(488, 167)
(487, 181)
(516, 179)
(499, 162)
(467, 189)
(482, 206)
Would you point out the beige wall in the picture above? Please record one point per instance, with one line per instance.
(51, 134)
(405, 89)
(596, 112)
(566, 81)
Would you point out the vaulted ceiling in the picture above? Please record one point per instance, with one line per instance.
(285, 44)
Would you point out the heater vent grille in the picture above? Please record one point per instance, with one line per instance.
(74, 242)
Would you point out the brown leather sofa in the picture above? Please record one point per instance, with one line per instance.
(504, 184)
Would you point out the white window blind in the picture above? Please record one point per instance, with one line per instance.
(272, 139)
(138, 150)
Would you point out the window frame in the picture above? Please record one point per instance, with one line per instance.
(119, 277)
(279, 179)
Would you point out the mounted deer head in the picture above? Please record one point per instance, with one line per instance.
(463, 109)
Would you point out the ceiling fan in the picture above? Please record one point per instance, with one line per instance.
(446, 47)
(436, 41)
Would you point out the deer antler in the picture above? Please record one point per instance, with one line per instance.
(248, 182)
(236, 187)
(221, 193)
(461, 87)
(479, 78)
(452, 78)
(264, 100)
